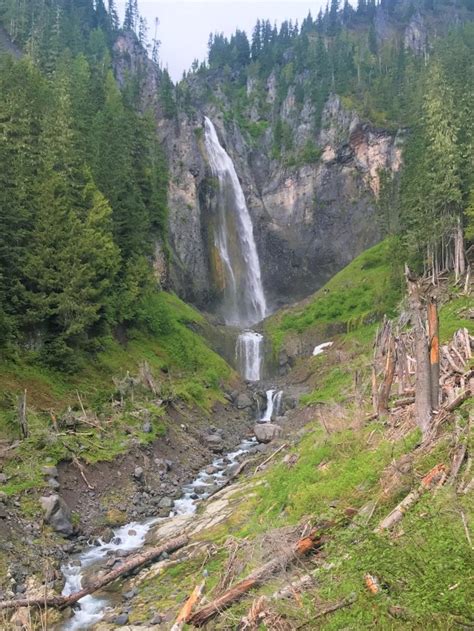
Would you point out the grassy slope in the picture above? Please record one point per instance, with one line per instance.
(426, 570)
(183, 366)
(357, 295)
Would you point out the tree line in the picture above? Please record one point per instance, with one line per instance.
(82, 187)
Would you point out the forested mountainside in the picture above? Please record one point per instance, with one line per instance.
(294, 450)
(318, 118)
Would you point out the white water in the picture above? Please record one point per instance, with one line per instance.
(249, 356)
(244, 299)
(91, 609)
(273, 405)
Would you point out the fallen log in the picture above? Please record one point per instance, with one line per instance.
(254, 579)
(262, 464)
(400, 403)
(459, 400)
(431, 479)
(188, 607)
(130, 565)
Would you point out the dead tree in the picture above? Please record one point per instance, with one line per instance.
(433, 332)
(22, 418)
(423, 392)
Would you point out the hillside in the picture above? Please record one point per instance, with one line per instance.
(236, 321)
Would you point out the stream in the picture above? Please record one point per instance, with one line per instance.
(131, 537)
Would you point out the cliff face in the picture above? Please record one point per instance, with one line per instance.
(311, 215)
(309, 219)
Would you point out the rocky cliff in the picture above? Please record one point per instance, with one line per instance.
(312, 212)
(310, 219)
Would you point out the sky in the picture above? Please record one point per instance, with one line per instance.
(185, 25)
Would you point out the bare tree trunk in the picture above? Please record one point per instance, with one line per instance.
(423, 407)
(389, 373)
(22, 419)
(433, 332)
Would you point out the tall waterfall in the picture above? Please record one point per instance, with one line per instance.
(248, 352)
(244, 300)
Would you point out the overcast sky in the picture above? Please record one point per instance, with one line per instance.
(185, 24)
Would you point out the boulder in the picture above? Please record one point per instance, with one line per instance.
(50, 471)
(57, 514)
(243, 401)
(214, 442)
(3, 478)
(166, 502)
(266, 432)
(138, 473)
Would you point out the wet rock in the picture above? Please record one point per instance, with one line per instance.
(166, 502)
(211, 470)
(107, 535)
(243, 401)
(132, 533)
(267, 432)
(57, 514)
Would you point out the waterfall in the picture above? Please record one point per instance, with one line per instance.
(243, 295)
(248, 352)
(273, 405)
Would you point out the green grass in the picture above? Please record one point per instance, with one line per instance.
(183, 367)
(454, 315)
(358, 295)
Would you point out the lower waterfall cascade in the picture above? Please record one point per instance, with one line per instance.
(249, 355)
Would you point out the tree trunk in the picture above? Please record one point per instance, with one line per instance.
(433, 332)
(256, 578)
(423, 407)
(22, 418)
(389, 373)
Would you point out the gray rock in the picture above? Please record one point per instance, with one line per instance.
(3, 478)
(3, 512)
(121, 619)
(266, 432)
(214, 441)
(57, 514)
(166, 502)
(50, 471)
(157, 619)
(147, 427)
(138, 473)
(243, 401)
(53, 484)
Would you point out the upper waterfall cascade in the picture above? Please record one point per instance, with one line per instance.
(243, 296)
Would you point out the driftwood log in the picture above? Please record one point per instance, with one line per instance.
(130, 565)
(254, 579)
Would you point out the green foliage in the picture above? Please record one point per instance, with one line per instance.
(356, 296)
(83, 188)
